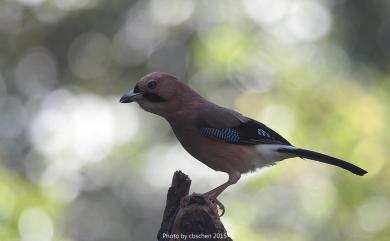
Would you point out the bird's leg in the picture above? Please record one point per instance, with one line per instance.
(214, 193)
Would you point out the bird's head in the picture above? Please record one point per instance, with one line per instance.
(159, 93)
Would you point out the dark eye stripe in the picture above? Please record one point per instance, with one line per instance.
(153, 97)
(136, 89)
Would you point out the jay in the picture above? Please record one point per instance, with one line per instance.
(221, 138)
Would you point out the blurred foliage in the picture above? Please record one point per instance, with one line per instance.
(77, 165)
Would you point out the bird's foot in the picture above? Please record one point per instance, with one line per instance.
(215, 203)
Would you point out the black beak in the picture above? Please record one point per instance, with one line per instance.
(130, 97)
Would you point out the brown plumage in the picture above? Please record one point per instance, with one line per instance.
(221, 138)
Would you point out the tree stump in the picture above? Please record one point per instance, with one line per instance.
(189, 217)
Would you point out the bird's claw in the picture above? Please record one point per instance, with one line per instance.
(215, 203)
(220, 205)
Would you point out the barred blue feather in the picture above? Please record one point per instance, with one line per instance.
(247, 133)
(226, 134)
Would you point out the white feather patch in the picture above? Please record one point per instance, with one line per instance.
(268, 154)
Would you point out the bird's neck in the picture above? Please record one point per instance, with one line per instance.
(186, 114)
(184, 107)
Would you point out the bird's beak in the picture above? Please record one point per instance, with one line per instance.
(130, 97)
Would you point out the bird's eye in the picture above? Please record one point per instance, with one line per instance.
(152, 84)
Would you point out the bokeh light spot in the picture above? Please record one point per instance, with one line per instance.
(281, 117)
(71, 131)
(265, 11)
(371, 154)
(90, 55)
(82, 128)
(223, 47)
(318, 196)
(35, 225)
(368, 115)
(48, 13)
(309, 20)
(36, 73)
(132, 43)
(374, 214)
(171, 12)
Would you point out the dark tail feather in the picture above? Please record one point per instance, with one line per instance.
(315, 156)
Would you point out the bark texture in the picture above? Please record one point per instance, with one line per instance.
(189, 217)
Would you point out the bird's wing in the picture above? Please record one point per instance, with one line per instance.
(230, 126)
(212, 115)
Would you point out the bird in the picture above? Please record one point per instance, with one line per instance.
(221, 138)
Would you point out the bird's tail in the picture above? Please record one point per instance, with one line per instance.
(316, 156)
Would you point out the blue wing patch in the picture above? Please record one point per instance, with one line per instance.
(227, 134)
(249, 133)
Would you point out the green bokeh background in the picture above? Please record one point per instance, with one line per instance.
(75, 165)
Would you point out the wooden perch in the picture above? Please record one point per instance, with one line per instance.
(189, 217)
